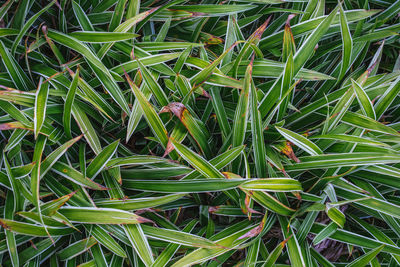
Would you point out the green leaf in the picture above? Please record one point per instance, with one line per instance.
(299, 59)
(265, 68)
(101, 215)
(309, 25)
(201, 76)
(294, 250)
(349, 138)
(365, 104)
(342, 160)
(98, 67)
(52, 158)
(171, 249)
(215, 9)
(34, 230)
(185, 186)
(373, 203)
(103, 237)
(76, 248)
(153, 85)
(17, 75)
(154, 121)
(178, 237)
(138, 240)
(274, 255)
(87, 128)
(27, 25)
(219, 161)
(17, 136)
(14, 112)
(196, 129)
(14, 187)
(257, 135)
(199, 163)
(347, 43)
(138, 203)
(125, 27)
(367, 123)
(9, 211)
(272, 184)
(68, 104)
(100, 161)
(300, 141)
(387, 98)
(75, 176)
(242, 109)
(335, 215)
(102, 37)
(271, 203)
(366, 258)
(42, 94)
(150, 60)
(202, 254)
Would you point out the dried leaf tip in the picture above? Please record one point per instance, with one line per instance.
(283, 243)
(258, 33)
(170, 147)
(253, 232)
(290, 17)
(44, 29)
(213, 209)
(176, 108)
(144, 220)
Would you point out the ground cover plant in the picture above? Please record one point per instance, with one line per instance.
(207, 133)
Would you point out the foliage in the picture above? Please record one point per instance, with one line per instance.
(216, 133)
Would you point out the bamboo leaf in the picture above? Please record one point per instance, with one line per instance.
(98, 67)
(42, 94)
(34, 230)
(365, 104)
(347, 43)
(17, 75)
(73, 175)
(365, 259)
(101, 215)
(150, 114)
(100, 161)
(27, 25)
(76, 248)
(241, 113)
(68, 104)
(300, 141)
(199, 163)
(102, 37)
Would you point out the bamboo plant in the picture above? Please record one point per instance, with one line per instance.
(206, 133)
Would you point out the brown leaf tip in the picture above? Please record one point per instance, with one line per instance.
(283, 243)
(205, 94)
(198, 14)
(44, 29)
(253, 232)
(290, 17)
(213, 209)
(288, 151)
(258, 33)
(144, 220)
(170, 147)
(176, 108)
(4, 225)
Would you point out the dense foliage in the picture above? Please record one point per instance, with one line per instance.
(217, 133)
